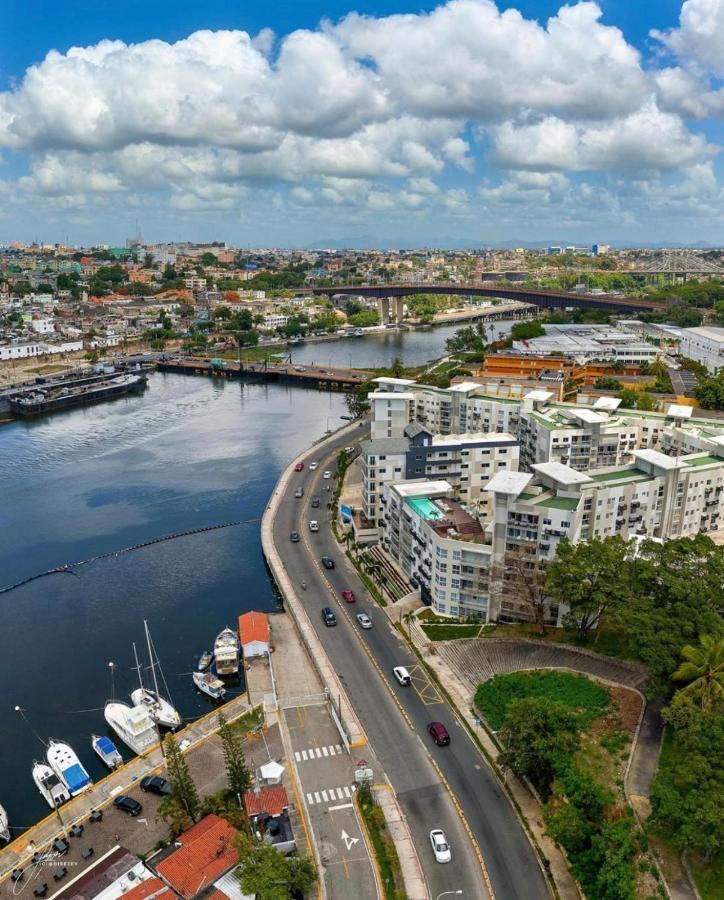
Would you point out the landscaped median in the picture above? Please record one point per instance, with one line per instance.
(381, 844)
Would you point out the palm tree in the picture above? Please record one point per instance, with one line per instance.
(407, 619)
(703, 668)
(348, 539)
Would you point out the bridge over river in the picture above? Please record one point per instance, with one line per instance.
(545, 299)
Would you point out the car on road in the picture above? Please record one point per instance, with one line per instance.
(299, 492)
(364, 620)
(440, 846)
(328, 617)
(313, 465)
(294, 537)
(315, 502)
(402, 675)
(327, 475)
(313, 525)
(327, 562)
(299, 467)
(154, 784)
(127, 805)
(439, 734)
(348, 596)
(349, 449)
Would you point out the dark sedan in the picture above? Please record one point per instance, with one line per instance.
(154, 784)
(327, 562)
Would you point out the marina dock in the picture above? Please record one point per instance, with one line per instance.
(334, 379)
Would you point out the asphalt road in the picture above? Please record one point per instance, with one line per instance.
(430, 781)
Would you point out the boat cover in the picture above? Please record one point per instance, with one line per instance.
(106, 745)
(76, 778)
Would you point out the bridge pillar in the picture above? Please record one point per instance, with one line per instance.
(399, 310)
(383, 305)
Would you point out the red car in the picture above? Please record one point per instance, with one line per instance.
(299, 467)
(348, 596)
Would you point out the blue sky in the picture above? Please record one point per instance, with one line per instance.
(460, 122)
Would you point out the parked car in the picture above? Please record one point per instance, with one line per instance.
(402, 675)
(326, 475)
(440, 846)
(439, 734)
(315, 502)
(127, 805)
(327, 562)
(294, 537)
(154, 784)
(348, 596)
(313, 525)
(299, 466)
(313, 465)
(299, 492)
(364, 620)
(328, 617)
(349, 449)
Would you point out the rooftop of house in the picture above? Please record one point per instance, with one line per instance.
(204, 853)
(254, 626)
(270, 800)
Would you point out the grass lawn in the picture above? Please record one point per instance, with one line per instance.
(709, 877)
(383, 847)
(450, 632)
(249, 721)
(579, 693)
(610, 641)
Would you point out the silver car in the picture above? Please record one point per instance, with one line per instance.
(364, 620)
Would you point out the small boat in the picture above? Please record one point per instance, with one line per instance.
(50, 786)
(107, 750)
(132, 724)
(226, 652)
(205, 660)
(161, 710)
(64, 761)
(209, 684)
(4, 827)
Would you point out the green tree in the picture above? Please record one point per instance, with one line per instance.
(593, 578)
(183, 789)
(237, 772)
(710, 391)
(538, 736)
(703, 669)
(607, 383)
(397, 369)
(524, 331)
(266, 874)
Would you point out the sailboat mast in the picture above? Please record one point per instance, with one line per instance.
(150, 658)
(138, 666)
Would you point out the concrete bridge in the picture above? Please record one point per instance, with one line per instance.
(390, 297)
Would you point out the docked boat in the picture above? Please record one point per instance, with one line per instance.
(226, 652)
(205, 660)
(4, 826)
(39, 401)
(209, 684)
(133, 725)
(63, 760)
(107, 750)
(159, 708)
(51, 788)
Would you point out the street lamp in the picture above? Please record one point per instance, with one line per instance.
(445, 894)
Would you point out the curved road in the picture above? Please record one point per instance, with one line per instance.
(448, 787)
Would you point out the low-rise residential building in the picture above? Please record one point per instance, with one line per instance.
(589, 342)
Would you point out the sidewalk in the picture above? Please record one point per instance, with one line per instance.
(412, 874)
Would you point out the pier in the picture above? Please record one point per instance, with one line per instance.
(334, 379)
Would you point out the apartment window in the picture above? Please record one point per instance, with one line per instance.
(457, 554)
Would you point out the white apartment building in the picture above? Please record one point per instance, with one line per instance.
(195, 283)
(42, 326)
(275, 320)
(705, 345)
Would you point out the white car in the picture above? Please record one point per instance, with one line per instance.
(314, 525)
(364, 620)
(440, 846)
(313, 465)
(402, 675)
(327, 475)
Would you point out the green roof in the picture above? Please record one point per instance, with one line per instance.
(559, 502)
(526, 496)
(704, 461)
(625, 475)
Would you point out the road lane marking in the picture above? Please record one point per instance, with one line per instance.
(325, 797)
(310, 799)
(347, 792)
(317, 798)
(340, 806)
(325, 752)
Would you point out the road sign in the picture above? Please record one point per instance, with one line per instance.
(362, 764)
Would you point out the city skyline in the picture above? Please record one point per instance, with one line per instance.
(464, 123)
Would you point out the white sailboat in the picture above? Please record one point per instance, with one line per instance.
(226, 652)
(161, 710)
(133, 725)
(64, 761)
(4, 826)
(51, 788)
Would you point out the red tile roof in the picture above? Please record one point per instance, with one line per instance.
(254, 626)
(150, 889)
(207, 851)
(270, 800)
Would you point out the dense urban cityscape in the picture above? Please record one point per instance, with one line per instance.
(360, 536)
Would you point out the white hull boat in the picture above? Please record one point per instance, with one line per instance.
(205, 660)
(107, 751)
(4, 827)
(159, 709)
(210, 685)
(132, 724)
(64, 761)
(226, 652)
(51, 788)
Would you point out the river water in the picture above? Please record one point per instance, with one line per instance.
(190, 452)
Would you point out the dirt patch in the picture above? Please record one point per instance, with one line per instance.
(629, 706)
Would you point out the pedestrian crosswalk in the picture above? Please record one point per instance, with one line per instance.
(331, 795)
(317, 752)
